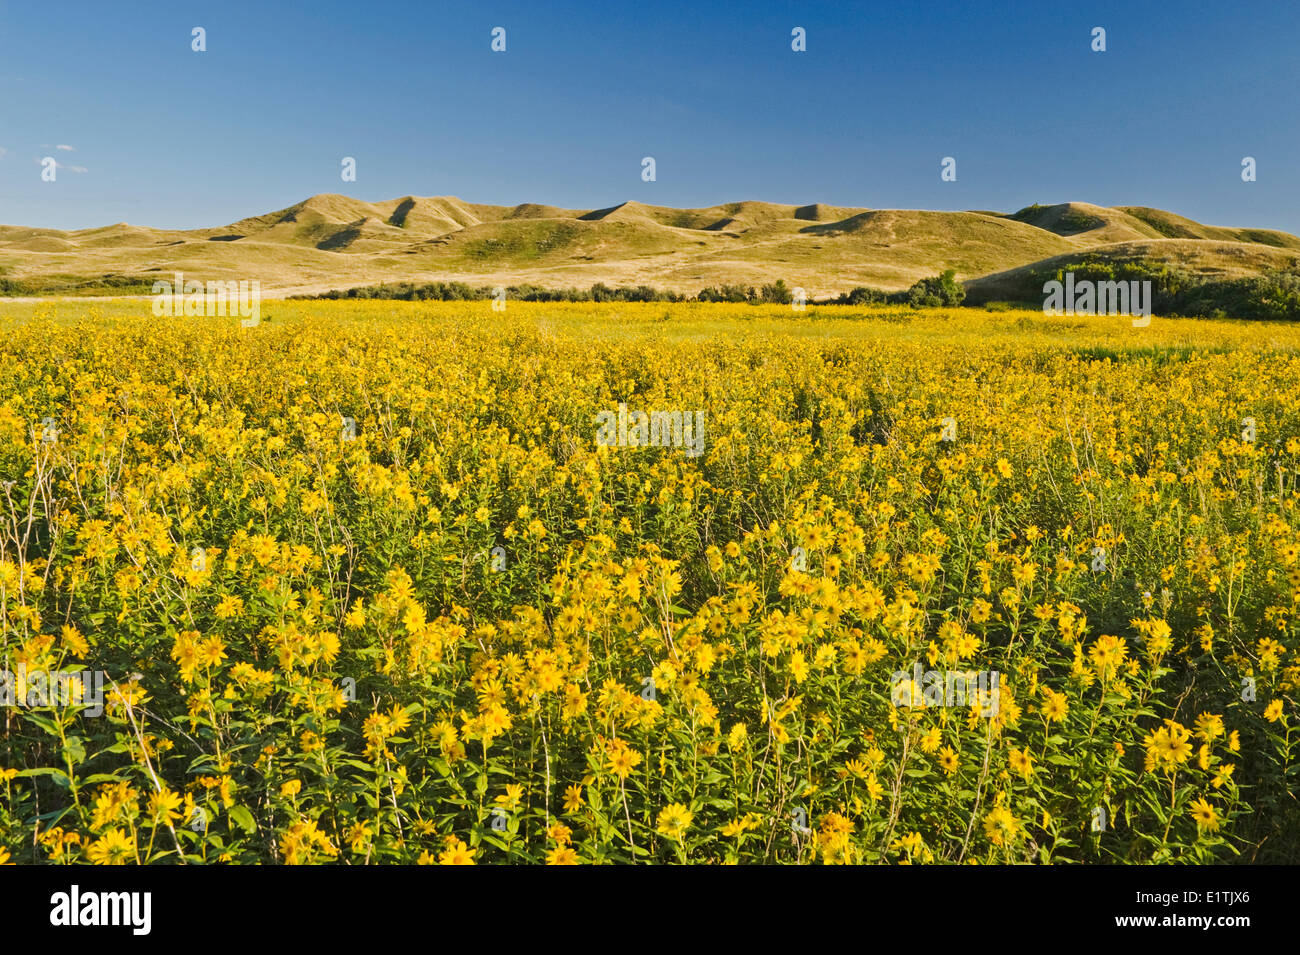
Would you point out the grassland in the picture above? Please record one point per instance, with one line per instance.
(464, 631)
(333, 241)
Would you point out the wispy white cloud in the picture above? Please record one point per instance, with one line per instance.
(59, 165)
(66, 149)
(2, 152)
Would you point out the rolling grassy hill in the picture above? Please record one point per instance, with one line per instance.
(333, 241)
(1207, 259)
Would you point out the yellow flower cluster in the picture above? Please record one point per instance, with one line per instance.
(364, 586)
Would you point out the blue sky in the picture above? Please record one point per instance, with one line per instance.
(172, 138)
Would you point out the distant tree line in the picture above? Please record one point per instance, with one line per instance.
(776, 293)
(941, 290)
(108, 284)
(460, 291)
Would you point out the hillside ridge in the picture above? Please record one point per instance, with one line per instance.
(330, 240)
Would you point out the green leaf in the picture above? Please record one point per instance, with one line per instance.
(59, 776)
(202, 764)
(241, 817)
(44, 722)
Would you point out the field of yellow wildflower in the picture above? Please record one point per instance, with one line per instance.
(364, 584)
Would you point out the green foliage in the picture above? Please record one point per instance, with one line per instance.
(729, 293)
(107, 284)
(459, 291)
(1273, 296)
(862, 295)
(777, 294)
(1079, 221)
(937, 292)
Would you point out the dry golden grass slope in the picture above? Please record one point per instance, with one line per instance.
(1209, 258)
(333, 241)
